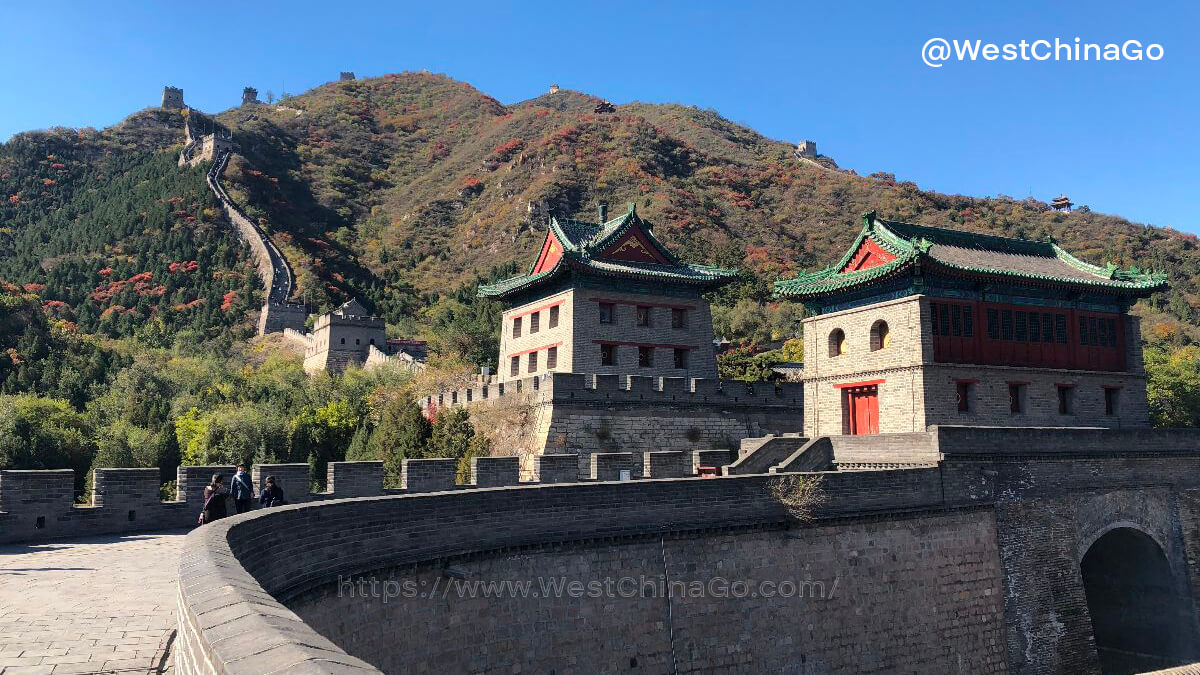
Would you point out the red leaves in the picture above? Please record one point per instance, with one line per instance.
(184, 306)
(185, 267)
(227, 301)
(504, 151)
(15, 199)
(34, 288)
(106, 272)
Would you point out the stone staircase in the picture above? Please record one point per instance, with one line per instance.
(758, 455)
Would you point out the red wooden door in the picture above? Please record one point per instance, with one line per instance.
(863, 404)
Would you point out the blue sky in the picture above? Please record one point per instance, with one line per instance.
(1121, 137)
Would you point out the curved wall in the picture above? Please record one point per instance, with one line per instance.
(911, 594)
(247, 582)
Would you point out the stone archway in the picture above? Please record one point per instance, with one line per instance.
(1140, 618)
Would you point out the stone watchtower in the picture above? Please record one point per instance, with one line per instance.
(249, 96)
(607, 298)
(346, 76)
(172, 98)
(806, 149)
(344, 337)
(919, 326)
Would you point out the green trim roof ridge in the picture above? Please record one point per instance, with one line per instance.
(916, 244)
(581, 239)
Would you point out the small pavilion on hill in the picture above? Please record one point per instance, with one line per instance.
(917, 326)
(607, 297)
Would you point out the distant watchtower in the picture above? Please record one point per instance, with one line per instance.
(346, 75)
(344, 337)
(172, 98)
(249, 96)
(806, 149)
(554, 89)
(1061, 203)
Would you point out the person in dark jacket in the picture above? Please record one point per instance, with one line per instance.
(271, 494)
(243, 490)
(214, 500)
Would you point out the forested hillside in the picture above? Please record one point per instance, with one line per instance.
(398, 184)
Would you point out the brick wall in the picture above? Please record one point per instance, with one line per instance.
(560, 335)
(943, 561)
(915, 393)
(696, 334)
(583, 414)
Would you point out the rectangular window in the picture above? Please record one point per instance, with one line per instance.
(514, 368)
(1093, 332)
(645, 357)
(993, 324)
(962, 393)
(643, 316)
(956, 320)
(678, 318)
(1060, 328)
(1047, 328)
(968, 321)
(1016, 397)
(933, 318)
(552, 358)
(517, 327)
(532, 366)
(608, 355)
(1035, 327)
(1064, 398)
(553, 322)
(681, 356)
(944, 320)
(1006, 324)
(534, 322)
(1019, 326)
(1111, 395)
(607, 312)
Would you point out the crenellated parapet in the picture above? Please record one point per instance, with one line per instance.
(627, 389)
(584, 414)
(40, 505)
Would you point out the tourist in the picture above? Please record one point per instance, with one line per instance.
(214, 500)
(243, 490)
(272, 494)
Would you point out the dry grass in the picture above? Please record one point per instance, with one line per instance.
(799, 494)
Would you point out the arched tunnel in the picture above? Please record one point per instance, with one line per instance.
(1142, 617)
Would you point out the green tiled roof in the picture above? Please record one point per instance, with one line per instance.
(967, 253)
(582, 240)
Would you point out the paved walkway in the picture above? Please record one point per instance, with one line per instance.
(98, 605)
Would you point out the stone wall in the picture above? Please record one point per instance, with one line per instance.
(584, 414)
(898, 365)
(39, 505)
(946, 563)
(282, 317)
(915, 393)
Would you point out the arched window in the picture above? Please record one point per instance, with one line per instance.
(881, 338)
(837, 342)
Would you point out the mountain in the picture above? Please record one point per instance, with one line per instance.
(399, 188)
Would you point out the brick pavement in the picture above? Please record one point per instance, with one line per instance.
(96, 605)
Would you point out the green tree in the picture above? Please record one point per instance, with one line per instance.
(44, 433)
(323, 433)
(1173, 385)
(403, 432)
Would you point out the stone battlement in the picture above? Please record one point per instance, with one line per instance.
(40, 506)
(610, 389)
